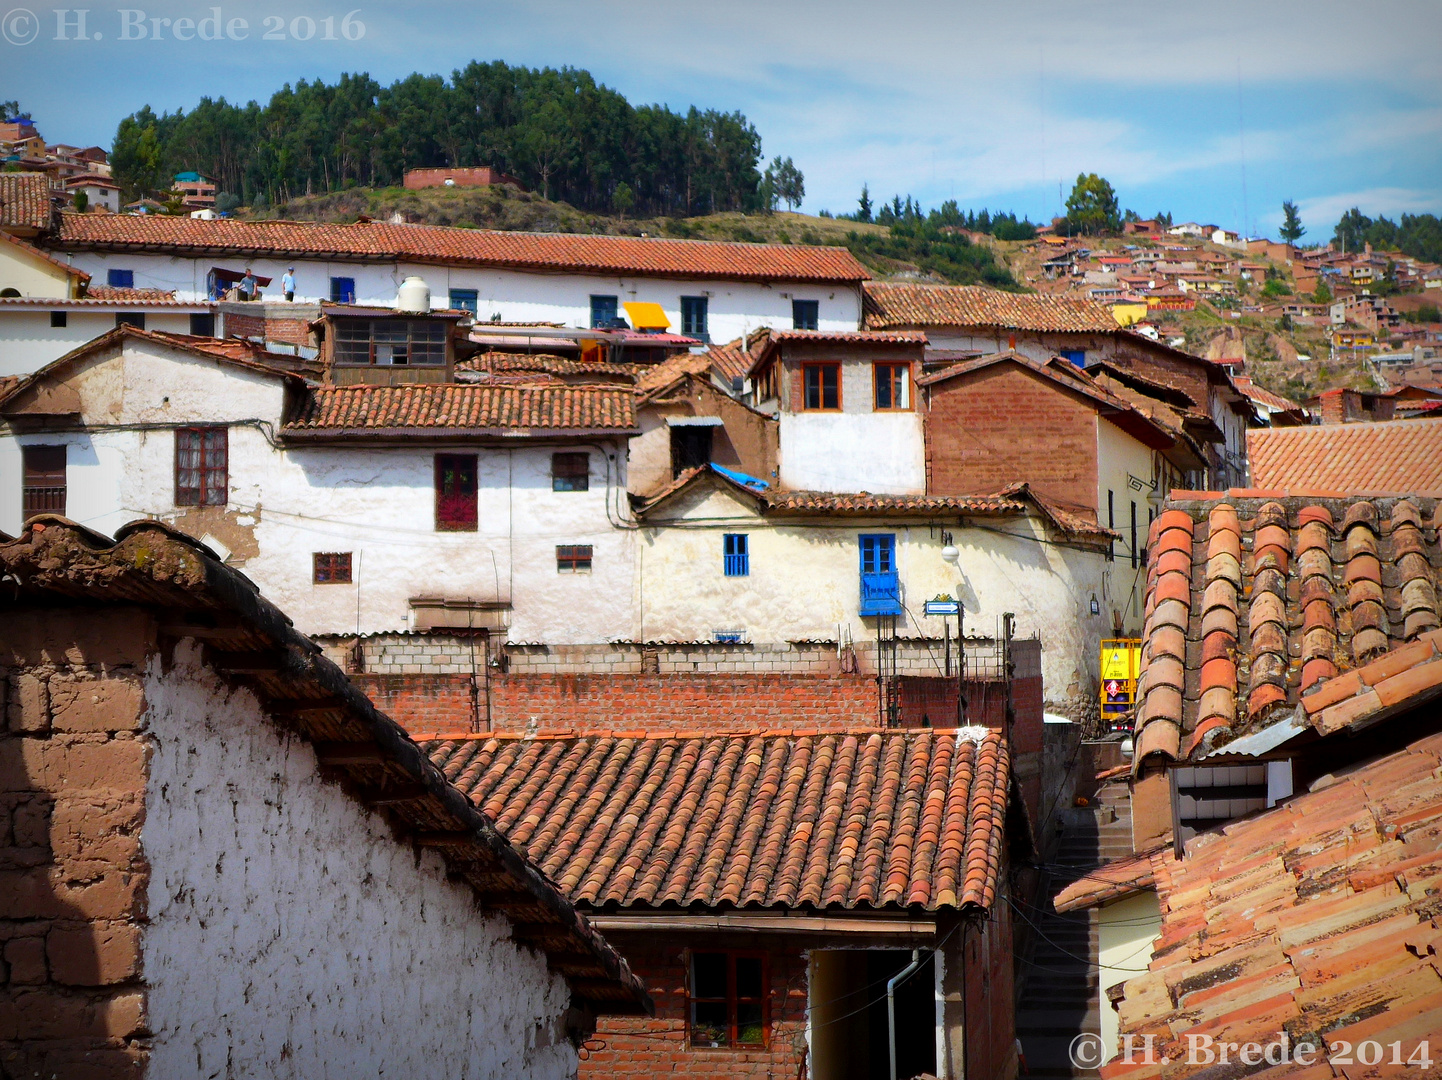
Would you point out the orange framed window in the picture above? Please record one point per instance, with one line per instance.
(821, 387)
(729, 1005)
(892, 387)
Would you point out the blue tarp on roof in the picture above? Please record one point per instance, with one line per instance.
(741, 478)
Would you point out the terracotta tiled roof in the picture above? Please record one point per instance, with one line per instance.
(1253, 598)
(24, 202)
(1262, 396)
(890, 304)
(462, 247)
(732, 360)
(1395, 682)
(57, 563)
(860, 504)
(863, 503)
(1318, 918)
(457, 407)
(115, 292)
(785, 820)
(659, 376)
(1112, 881)
(1401, 456)
(503, 362)
(852, 337)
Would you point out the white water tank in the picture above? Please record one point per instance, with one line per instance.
(414, 295)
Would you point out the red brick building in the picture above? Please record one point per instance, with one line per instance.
(766, 885)
(463, 176)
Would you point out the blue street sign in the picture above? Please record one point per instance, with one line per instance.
(942, 607)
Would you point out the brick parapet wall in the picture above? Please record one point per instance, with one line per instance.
(451, 654)
(73, 878)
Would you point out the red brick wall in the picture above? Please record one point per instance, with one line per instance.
(1001, 425)
(293, 331)
(467, 176)
(990, 991)
(72, 875)
(426, 703)
(647, 1047)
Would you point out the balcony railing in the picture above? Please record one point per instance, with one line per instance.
(42, 500)
(880, 593)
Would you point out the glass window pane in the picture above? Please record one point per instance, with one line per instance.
(748, 977)
(708, 975)
(750, 1023)
(709, 1023)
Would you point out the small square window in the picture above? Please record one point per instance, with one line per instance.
(805, 314)
(330, 567)
(736, 554)
(464, 300)
(729, 1002)
(570, 472)
(893, 387)
(120, 279)
(603, 312)
(202, 324)
(573, 558)
(342, 290)
(59, 318)
(130, 318)
(822, 386)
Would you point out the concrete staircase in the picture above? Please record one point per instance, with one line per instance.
(1061, 997)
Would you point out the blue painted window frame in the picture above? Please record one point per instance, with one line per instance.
(120, 279)
(880, 583)
(736, 554)
(342, 290)
(464, 300)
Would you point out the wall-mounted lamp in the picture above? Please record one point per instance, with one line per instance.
(950, 554)
(1096, 608)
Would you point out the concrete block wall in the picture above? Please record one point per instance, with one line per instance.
(72, 877)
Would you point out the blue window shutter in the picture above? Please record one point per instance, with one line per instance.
(880, 584)
(736, 554)
(342, 290)
(120, 279)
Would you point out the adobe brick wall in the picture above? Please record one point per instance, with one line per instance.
(1002, 425)
(648, 1047)
(73, 882)
(465, 176)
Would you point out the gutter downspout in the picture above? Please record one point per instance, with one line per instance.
(891, 1004)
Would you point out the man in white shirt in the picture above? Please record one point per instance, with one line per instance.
(287, 283)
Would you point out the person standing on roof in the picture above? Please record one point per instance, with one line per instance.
(287, 284)
(247, 285)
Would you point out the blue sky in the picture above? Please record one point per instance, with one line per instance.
(1216, 112)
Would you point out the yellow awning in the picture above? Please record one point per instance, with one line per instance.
(646, 316)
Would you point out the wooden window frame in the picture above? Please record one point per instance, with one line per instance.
(731, 999)
(688, 322)
(890, 366)
(570, 478)
(574, 558)
(446, 520)
(47, 496)
(214, 479)
(815, 308)
(820, 366)
(330, 568)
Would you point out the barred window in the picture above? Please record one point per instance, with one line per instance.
(573, 558)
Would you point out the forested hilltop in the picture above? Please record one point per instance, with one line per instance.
(559, 131)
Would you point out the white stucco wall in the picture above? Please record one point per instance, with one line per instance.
(28, 342)
(286, 503)
(856, 448)
(29, 274)
(805, 583)
(734, 307)
(291, 935)
(1120, 458)
(1126, 931)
